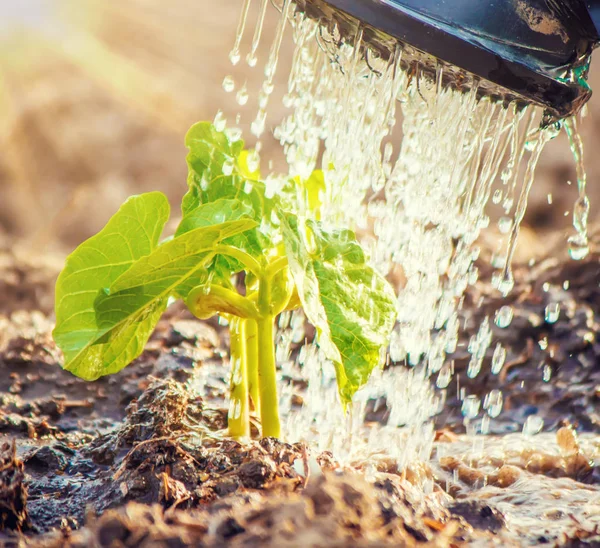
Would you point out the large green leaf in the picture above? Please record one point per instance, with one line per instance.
(92, 350)
(352, 307)
(177, 266)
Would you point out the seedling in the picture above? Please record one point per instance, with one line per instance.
(240, 251)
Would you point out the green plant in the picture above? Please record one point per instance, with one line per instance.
(116, 285)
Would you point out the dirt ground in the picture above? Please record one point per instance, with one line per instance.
(102, 101)
(139, 459)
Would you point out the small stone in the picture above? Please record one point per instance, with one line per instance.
(46, 458)
(254, 474)
(566, 438)
(479, 515)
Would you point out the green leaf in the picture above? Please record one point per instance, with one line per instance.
(220, 211)
(218, 169)
(219, 175)
(92, 349)
(174, 267)
(126, 316)
(213, 213)
(352, 307)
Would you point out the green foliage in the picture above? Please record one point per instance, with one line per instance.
(116, 285)
(95, 347)
(351, 306)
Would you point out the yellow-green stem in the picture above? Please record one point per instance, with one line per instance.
(267, 379)
(239, 413)
(252, 362)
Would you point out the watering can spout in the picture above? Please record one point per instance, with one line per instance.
(536, 50)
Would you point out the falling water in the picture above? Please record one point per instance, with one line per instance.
(578, 243)
(419, 203)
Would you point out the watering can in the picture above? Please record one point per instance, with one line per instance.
(537, 51)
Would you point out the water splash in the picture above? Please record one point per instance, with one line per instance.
(420, 208)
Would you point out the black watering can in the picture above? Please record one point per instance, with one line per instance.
(534, 50)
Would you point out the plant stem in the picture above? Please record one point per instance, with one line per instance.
(251, 334)
(267, 378)
(276, 266)
(264, 297)
(245, 258)
(205, 301)
(238, 419)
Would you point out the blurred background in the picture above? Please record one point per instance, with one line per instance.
(96, 97)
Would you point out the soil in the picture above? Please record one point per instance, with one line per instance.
(140, 458)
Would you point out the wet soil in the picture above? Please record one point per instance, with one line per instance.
(552, 367)
(140, 459)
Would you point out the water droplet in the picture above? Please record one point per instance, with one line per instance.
(268, 87)
(253, 161)
(228, 167)
(234, 134)
(498, 359)
(503, 282)
(242, 95)
(504, 316)
(498, 260)
(531, 144)
(234, 57)
(580, 214)
(533, 425)
(237, 409)
(219, 122)
(505, 224)
(473, 275)
(546, 373)
(493, 403)
(258, 126)
(228, 84)
(236, 376)
(288, 101)
(578, 248)
(444, 376)
(470, 406)
(552, 312)
(497, 197)
(263, 100)
(474, 367)
(251, 59)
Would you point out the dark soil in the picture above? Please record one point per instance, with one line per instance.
(569, 348)
(140, 459)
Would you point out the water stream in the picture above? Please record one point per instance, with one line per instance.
(418, 168)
